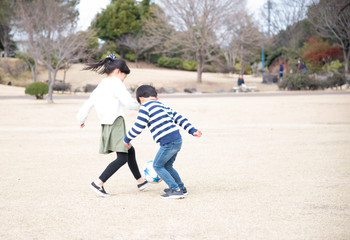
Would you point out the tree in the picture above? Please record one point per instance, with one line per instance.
(122, 20)
(319, 52)
(285, 17)
(49, 34)
(138, 44)
(119, 18)
(199, 27)
(6, 15)
(244, 40)
(31, 63)
(332, 20)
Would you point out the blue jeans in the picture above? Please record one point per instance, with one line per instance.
(163, 164)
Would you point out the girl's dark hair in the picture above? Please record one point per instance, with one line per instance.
(145, 91)
(108, 65)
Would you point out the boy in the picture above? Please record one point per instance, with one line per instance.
(161, 121)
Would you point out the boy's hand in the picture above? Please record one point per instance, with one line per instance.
(197, 133)
(82, 125)
(126, 144)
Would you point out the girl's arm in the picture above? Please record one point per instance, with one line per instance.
(84, 111)
(125, 97)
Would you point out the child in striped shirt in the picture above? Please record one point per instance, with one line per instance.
(161, 121)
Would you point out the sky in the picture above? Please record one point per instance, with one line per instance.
(89, 8)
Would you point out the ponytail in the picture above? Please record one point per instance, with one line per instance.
(108, 65)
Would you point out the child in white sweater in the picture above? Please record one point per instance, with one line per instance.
(109, 99)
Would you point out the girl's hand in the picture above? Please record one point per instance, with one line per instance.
(126, 144)
(82, 125)
(197, 133)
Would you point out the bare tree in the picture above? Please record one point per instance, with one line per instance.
(49, 34)
(138, 43)
(332, 20)
(198, 26)
(31, 63)
(243, 40)
(286, 15)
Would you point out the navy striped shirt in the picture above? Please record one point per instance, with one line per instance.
(161, 121)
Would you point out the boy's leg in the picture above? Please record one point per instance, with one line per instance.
(169, 167)
(122, 158)
(163, 156)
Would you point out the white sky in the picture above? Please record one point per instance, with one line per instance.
(89, 8)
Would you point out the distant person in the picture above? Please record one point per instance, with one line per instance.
(303, 68)
(281, 70)
(241, 83)
(162, 122)
(109, 99)
(299, 66)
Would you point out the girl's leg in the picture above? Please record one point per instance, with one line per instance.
(122, 158)
(133, 165)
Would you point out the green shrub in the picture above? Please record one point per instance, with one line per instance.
(333, 66)
(37, 89)
(130, 56)
(89, 88)
(170, 62)
(61, 86)
(337, 80)
(288, 54)
(298, 82)
(189, 65)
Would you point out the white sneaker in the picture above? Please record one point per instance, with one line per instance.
(99, 190)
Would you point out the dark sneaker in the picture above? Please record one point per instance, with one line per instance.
(143, 186)
(184, 191)
(99, 190)
(173, 194)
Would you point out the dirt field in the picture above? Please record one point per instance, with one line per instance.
(266, 167)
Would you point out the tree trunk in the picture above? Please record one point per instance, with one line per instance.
(6, 41)
(52, 78)
(136, 61)
(242, 61)
(346, 61)
(64, 74)
(199, 71)
(35, 71)
(199, 67)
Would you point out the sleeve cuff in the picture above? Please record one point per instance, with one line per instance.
(192, 130)
(127, 140)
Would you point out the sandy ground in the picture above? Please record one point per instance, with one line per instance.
(266, 167)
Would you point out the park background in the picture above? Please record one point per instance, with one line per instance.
(272, 163)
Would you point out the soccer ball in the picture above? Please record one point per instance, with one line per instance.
(150, 174)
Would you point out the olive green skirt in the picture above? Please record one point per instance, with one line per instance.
(112, 137)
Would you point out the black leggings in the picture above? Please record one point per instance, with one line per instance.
(122, 158)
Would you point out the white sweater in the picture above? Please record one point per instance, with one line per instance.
(109, 99)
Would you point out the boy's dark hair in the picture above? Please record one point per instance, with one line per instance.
(108, 65)
(145, 91)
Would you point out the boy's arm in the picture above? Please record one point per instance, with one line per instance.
(140, 124)
(184, 123)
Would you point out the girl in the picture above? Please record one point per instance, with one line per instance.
(109, 99)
